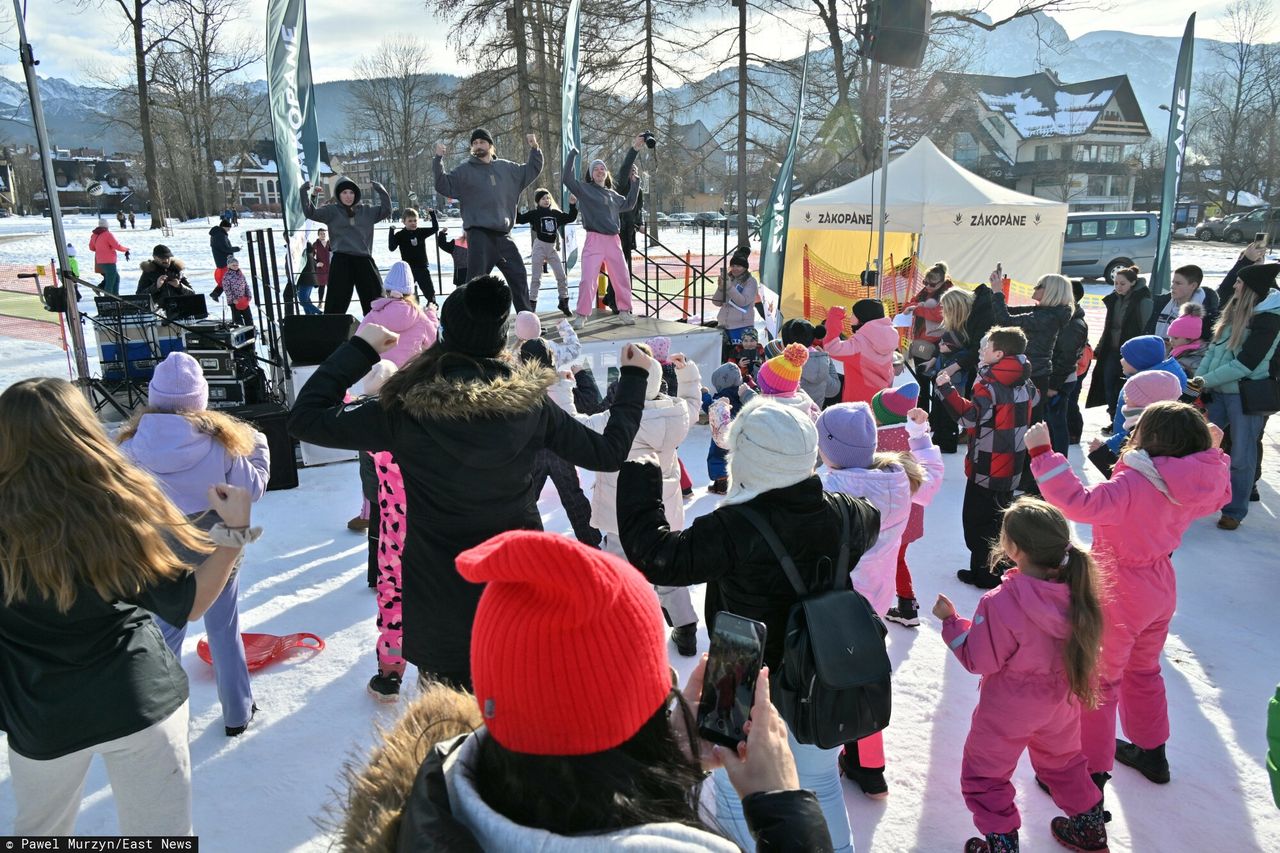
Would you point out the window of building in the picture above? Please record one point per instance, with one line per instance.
(996, 126)
(965, 149)
(249, 185)
(1042, 153)
(1110, 153)
(1065, 152)
(1111, 115)
(1097, 185)
(1120, 185)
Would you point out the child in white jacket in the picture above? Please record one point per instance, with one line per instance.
(893, 482)
(663, 425)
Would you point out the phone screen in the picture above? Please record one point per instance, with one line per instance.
(729, 687)
(1260, 238)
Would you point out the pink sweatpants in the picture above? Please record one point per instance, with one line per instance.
(603, 251)
(1136, 623)
(1012, 718)
(391, 532)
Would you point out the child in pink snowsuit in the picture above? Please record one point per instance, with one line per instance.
(1034, 640)
(1172, 473)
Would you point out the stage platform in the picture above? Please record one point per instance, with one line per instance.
(604, 335)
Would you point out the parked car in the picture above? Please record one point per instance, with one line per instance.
(1243, 229)
(1097, 244)
(680, 219)
(663, 219)
(1215, 228)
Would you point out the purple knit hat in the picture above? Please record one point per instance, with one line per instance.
(847, 435)
(178, 385)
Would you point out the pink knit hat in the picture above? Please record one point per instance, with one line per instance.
(528, 326)
(1188, 325)
(780, 375)
(661, 346)
(1145, 388)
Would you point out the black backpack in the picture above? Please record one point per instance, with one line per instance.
(833, 686)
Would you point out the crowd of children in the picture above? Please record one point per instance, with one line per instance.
(455, 424)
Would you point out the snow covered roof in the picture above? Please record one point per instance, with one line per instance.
(1244, 198)
(1039, 105)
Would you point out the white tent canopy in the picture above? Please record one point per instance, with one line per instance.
(967, 221)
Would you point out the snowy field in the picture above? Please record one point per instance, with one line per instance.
(269, 790)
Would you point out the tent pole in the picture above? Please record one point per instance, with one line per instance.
(884, 182)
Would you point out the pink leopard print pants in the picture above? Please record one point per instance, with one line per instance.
(391, 504)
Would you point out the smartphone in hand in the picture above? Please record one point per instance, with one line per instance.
(729, 687)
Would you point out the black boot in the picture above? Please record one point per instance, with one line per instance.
(686, 639)
(1149, 762)
(236, 731)
(870, 780)
(563, 305)
(999, 842)
(982, 580)
(1099, 779)
(907, 612)
(1084, 833)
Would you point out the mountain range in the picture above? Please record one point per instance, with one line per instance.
(75, 114)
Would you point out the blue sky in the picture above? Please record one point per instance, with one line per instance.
(72, 43)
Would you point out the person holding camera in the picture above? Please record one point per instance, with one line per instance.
(614, 763)
(488, 190)
(162, 276)
(352, 267)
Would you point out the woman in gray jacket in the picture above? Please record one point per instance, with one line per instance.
(351, 266)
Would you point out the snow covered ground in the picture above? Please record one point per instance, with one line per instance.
(269, 790)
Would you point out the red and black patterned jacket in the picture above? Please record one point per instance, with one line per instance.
(996, 420)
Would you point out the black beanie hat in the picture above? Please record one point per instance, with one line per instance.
(161, 251)
(481, 133)
(741, 257)
(798, 331)
(475, 317)
(1260, 278)
(866, 310)
(536, 350)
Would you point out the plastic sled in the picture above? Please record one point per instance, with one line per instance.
(262, 649)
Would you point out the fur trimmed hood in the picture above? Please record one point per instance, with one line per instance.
(486, 389)
(375, 794)
(174, 264)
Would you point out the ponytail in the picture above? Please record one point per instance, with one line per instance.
(1042, 535)
(1080, 573)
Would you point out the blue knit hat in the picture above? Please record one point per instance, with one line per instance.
(1143, 352)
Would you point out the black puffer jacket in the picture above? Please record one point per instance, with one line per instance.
(1068, 349)
(1135, 310)
(1041, 325)
(724, 550)
(466, 444)
(976, 328)
(780, 821)
(163, 281)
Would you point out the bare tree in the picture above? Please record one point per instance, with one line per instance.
(399, 105)
(1237, 97)
(137, 14)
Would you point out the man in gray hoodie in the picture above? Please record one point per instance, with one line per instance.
(488, 190)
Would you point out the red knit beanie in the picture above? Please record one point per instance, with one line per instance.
(568, 651)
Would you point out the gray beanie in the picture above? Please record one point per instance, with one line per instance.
(726, 376)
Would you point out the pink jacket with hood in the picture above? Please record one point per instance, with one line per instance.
(417, 328)
(889, 491)
(104, 245)
(867, 355)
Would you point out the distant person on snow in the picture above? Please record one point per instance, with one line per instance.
(488, 190)
(132, 223)
(104, 246)
(162, 276)
(352, 266)
(220, 244)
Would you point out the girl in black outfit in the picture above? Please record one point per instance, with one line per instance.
(1129, 309)
(466, 426)
(351, 266)
(411, 241)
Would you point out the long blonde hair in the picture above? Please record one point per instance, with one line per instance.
(236, 436)
(1041, 532)
(884, 460)
(1236, 317)
(956, 305)
(74, 512)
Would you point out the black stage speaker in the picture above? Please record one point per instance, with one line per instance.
(272, 419)
(897, 32)
(311, 338)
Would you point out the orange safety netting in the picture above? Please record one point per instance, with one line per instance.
(22, 314)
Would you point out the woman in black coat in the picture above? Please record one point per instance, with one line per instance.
(1128, 313)
(772, 451)
(1064, 385)
(465, 427)
(976, 328)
